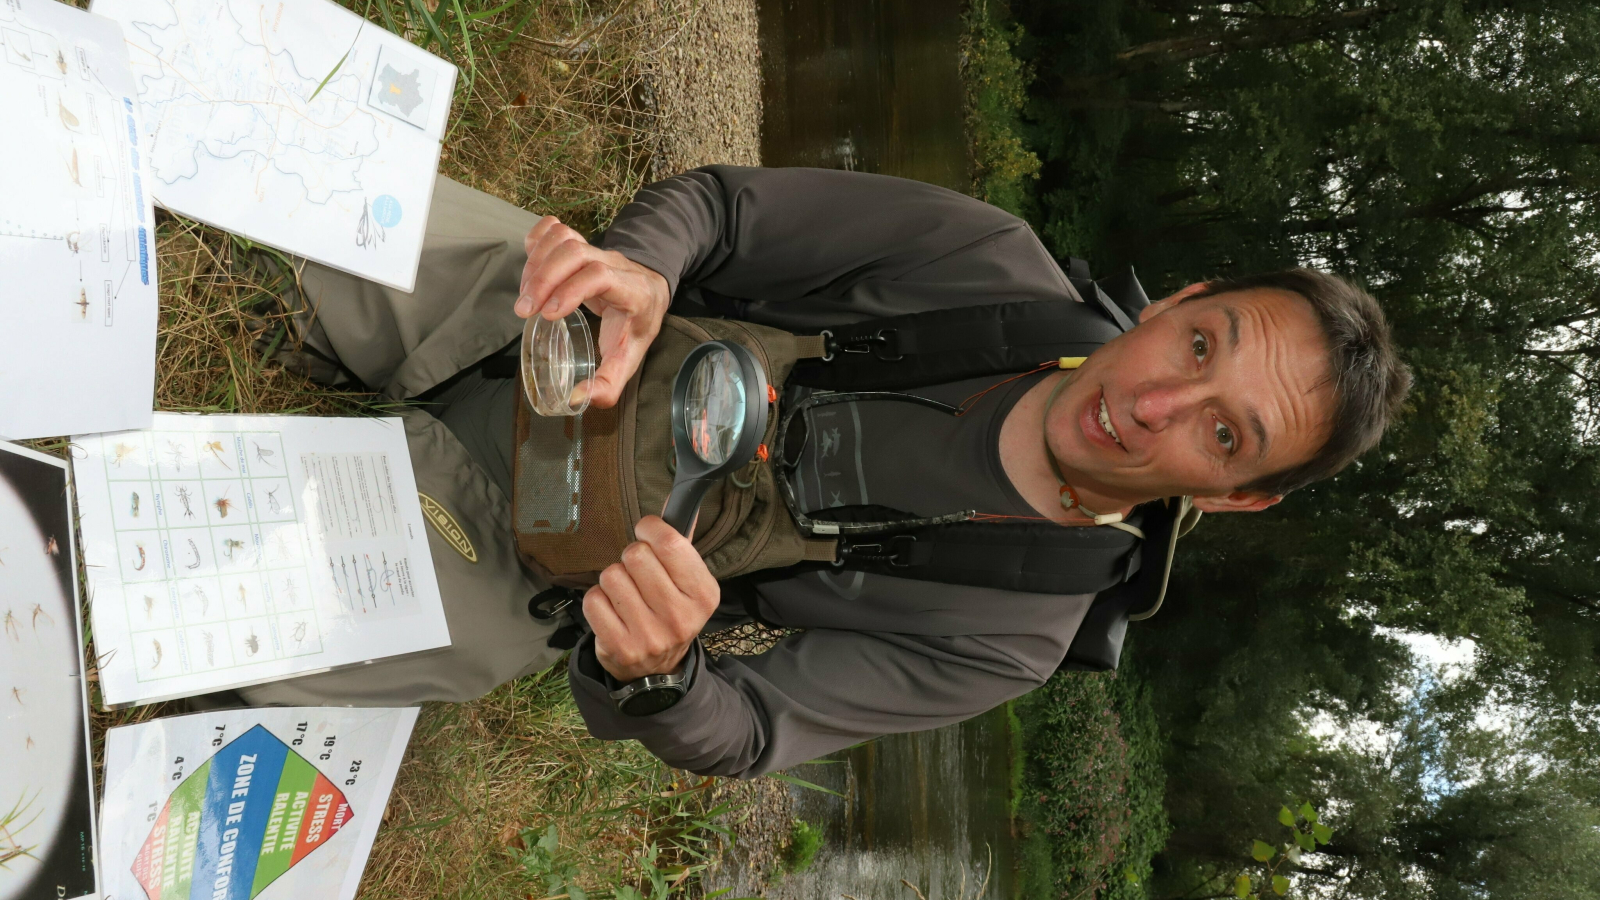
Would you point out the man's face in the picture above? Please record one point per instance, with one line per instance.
(1203, 396)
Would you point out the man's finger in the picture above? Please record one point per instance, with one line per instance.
(609, 629)
(592, 280)
(611, 377)
(543, 274)
(631, 608)
(679, 558)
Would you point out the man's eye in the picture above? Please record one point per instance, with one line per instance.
(1199, 347)
(1224, 436)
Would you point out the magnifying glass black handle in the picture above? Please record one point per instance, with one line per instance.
(683, 503)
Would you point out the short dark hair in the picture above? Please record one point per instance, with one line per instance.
(1369, 380)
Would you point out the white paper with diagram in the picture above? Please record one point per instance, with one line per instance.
(295, 123)
(224, 551)
(78, 303)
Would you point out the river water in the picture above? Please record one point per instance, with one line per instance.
(874, 86)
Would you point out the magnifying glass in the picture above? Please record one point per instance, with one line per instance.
(719, 414)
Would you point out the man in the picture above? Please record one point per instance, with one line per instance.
(1233, 393)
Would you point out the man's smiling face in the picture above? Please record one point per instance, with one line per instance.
(1204, 396)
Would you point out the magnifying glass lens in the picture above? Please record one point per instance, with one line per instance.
(714, 407)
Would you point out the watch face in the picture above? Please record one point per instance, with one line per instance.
(652, 700)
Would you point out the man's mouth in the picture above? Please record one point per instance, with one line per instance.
(1105, 421)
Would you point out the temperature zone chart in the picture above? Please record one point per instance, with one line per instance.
(231, 550)
(249, 803)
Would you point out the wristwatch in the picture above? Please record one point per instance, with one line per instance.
(652, 693)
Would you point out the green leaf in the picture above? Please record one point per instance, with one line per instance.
(1322, 833)
(577, 893)
(332, 72)
(1286, 817)
(628, 892)
(1307, 812)
(551, 840)
(1262, 851)
(1292, 853)
(1306, 841)
(801, 782)
(1280, 885)
(1241, 887)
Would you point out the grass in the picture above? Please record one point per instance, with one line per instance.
(805, 839)
(505, 796)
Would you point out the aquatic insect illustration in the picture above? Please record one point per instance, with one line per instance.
(205, 602)
(157, 645)
(211, 647)
(292, 592)
(140, 566)
(244, 596)
(299, 633)
(16, 694)
(38, 610)
(264, 455)
(273, 506)
(215, 449)
(149, 607)
(73, 241)
(11, 626)
(196, 551)
(30, 742)
(82, 303)
(223, 504)
(73, 168)
(121, 453)
(178, 453)
(229, 546)
(134, 504)
(61, 62)
(51, 547)
(252, 644)
(183, 500)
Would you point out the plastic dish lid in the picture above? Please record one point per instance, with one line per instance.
(557, 359)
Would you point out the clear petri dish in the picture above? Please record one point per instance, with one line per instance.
(558, 358)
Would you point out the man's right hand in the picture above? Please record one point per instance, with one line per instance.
(564, 271)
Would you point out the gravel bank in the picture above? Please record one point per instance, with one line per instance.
(705, 74)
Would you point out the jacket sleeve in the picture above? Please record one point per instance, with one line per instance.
(850, 244)
(816, 692)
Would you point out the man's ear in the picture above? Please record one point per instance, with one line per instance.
(1166, 303)
(1238, 501)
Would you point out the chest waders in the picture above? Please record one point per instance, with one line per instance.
(581, 482)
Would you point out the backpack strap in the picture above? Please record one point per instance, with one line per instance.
(947, 345)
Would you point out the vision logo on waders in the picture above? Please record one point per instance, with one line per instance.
(448, 527)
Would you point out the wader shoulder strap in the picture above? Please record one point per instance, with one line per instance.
(945, 345)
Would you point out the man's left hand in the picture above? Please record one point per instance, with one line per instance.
(648, 609)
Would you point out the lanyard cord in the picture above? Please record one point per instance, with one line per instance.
(785, 467)
(1069, 497)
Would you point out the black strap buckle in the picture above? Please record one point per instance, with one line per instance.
(896, 551)
(883, 344)
(546, 605)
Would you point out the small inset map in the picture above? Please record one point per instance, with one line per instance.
(402, 88)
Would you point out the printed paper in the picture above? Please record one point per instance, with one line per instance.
(77, 232)
(224, 551)
(47, 842)
(272, 803)
(293, 122)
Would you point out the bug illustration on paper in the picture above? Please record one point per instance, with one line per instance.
(38, 610)
(16, 694)
(229, 546)
(82, 303)
(179, 455)
(264, 455)
(244, 597)
(299, 633)
(122, 453)
(291, 591)
(157, 653)
(11, 626)
(223, 504)
(149, 607)
(211, 647)
(51, 547)
(273, 506)
(134, 505)
(252, 644)
(215, 449)
(205, 602)
(140, 549)
(196, 551)
(183, 500)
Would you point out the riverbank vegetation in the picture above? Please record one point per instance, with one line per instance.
(1442, 153)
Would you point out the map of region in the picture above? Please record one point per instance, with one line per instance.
(289, 122)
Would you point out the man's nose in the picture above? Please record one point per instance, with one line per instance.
(1157, 405)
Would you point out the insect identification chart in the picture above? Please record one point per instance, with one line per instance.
(293, 122)
(47, 843)
(274, 803)
(77, 230)
(224, 551)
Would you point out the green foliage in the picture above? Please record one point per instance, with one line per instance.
(1091, 812)
(1305, 835)
(805, 839)
(996, 84)
(545, 863)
